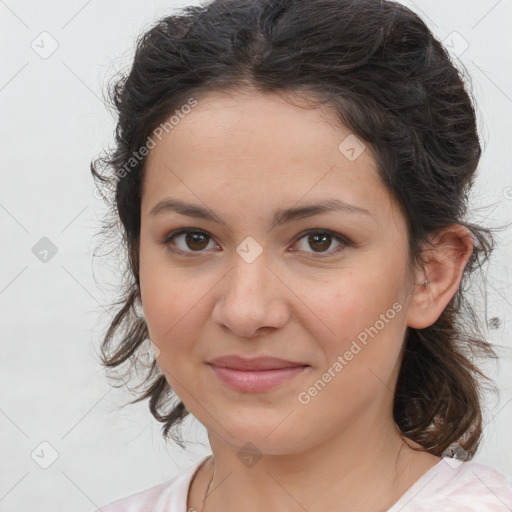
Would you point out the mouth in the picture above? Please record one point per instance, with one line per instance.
(255, 363)
(257, 374)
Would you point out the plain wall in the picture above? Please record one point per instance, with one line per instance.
(53, 123)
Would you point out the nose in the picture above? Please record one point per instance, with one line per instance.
(251, 299)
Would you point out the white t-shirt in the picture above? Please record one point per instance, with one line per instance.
(449, 486)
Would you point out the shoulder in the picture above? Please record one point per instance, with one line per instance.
(474, 478)
(169, 495)
(141, 501)
(455, 486)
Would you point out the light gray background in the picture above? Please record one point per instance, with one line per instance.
(53, 123)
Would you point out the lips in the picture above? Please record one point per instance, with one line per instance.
(254, 364)
(256, 375)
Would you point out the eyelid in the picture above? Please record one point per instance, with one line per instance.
(342, 239)
(173, 234)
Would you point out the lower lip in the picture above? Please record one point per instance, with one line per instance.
(256, 380)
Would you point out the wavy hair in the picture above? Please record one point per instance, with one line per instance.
(380, 69)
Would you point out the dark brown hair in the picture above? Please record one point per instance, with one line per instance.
(379, 68)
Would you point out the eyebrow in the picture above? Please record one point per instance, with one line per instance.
(280, 216)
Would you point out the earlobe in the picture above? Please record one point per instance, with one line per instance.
(445, 259)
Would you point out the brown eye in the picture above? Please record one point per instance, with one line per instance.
(187, 241)
(196, 241)
(321, 242)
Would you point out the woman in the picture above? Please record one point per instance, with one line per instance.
(291, 178)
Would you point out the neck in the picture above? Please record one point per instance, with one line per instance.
(366, 469)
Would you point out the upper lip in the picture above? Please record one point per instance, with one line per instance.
(256, 363)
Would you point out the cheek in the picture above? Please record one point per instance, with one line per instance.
(165, 293)
(171, 307)
(174, 315)
(362, 320)
(176, 303)
(361, 356)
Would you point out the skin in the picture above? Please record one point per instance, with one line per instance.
(243, 155)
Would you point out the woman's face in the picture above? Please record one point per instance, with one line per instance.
(252, 281)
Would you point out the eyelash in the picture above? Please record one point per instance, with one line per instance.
(345, 242)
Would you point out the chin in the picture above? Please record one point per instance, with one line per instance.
(265, 436)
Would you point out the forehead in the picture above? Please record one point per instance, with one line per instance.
(262, 146)
(255, 122)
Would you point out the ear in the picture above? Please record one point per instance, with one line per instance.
(439, 279)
